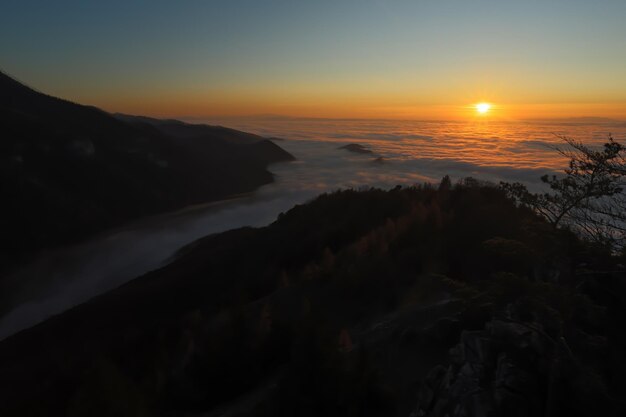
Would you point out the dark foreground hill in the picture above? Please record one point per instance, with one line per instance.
(68, 171)
(411, 302)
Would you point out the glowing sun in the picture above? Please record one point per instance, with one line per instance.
(483, 108)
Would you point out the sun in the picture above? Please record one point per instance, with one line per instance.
(483, 108)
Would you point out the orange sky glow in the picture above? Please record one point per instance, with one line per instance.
(380, 59)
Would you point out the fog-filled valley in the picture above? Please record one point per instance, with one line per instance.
(79, 272)
(364, 273)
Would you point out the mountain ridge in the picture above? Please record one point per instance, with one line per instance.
(69, 171)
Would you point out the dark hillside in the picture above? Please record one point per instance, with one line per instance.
(413, 301)
(180, 129)
(68, 171)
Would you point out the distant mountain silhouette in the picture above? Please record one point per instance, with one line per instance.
(356, 148)
(69, 170)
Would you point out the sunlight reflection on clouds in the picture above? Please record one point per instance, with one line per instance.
(417, 151)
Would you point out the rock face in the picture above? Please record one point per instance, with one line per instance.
(497, 371)
(509, 369)
(356, 148)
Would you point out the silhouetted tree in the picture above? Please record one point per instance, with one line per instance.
(589, 197)
(445, 184)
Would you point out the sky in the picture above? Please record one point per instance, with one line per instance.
(420, 59)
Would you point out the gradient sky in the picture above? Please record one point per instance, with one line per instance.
(365, 58)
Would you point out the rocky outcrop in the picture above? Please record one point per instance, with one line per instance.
(510, 368)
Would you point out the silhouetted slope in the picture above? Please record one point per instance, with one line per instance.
(180, 129)
(67, 170)
(348, 305)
